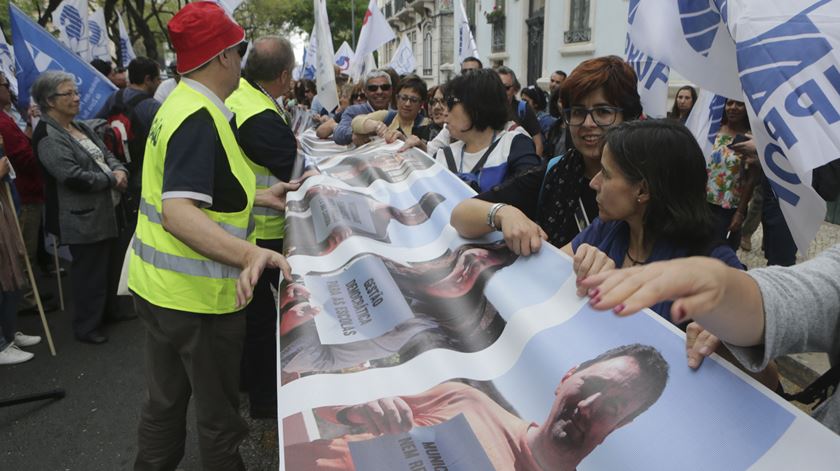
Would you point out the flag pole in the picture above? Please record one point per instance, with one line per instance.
(353, 21)
(31, 273)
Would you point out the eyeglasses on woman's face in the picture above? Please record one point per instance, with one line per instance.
(601, 115)
(408, 98)
(451, 101)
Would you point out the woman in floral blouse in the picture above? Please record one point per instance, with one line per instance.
(731, 176)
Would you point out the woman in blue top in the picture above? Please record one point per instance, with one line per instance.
(651, 195)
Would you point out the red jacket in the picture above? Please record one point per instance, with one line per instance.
(30, 180)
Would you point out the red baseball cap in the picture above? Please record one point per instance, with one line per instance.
(201, 31)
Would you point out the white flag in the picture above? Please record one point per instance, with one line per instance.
(71, 20)
(324, 58)
(789, 67)
(343, 57)
(230, 5)
(98, 36)
(375, 32)
(7, 63)
(126, 49)
(691, 37)
(403, 61)
(704, 120)
(651, 74)
(464, 40)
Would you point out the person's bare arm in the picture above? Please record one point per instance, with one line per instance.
(184, 220)
(326, 128)
(469, 218)
(725, 301)
(538, 144)
(522, 235)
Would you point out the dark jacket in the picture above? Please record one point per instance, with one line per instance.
(79, 207)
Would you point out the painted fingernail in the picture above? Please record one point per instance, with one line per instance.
(595, 300)
(593, 292)
(619, 308)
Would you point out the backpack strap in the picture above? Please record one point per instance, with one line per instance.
(551, 163)
(450, 159)
(480, 164)
(389, 118)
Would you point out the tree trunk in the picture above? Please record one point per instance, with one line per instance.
(136, 16)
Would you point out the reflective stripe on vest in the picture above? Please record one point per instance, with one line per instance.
(187, 266)
(266, 181)
(151, 213)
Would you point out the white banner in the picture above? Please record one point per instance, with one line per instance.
(324, 58)
(403, 61)
(489, 358)
(126, 49)
(651, 74)
(307, 68)
(375, 32)
(690, 37)
(343, 57)
(464, 41)
(71, 20)
(98, 36)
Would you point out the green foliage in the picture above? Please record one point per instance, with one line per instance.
(274, 17)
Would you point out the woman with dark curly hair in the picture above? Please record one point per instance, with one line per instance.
(555, 202)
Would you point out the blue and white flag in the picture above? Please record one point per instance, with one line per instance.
(7, 63)
(403, 61)
(464, 40)
(36, 51)
(691, 37)
(71, 20)
(343, 56)
(789, 66)
(704, 120)
(324, 58)
(126, 49)
(651, 74)
(98, 36)
(310, 55)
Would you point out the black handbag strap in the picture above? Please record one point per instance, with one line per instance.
(450, 159)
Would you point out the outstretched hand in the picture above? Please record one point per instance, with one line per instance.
(275, 196)
(588, 261)
(699, 343)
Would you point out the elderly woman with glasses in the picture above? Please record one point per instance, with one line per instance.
(404, 122)
(83, 185)
(555, 202)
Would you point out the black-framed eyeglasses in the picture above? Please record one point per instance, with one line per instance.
(357, 96)
(508, 87)
(451, 101)
(70, 93)
(408, 98)
(601, 115)
(437, 101)
(384, 87)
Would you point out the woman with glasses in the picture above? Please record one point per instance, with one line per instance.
(436, 110)
(404, 122)
(84, 182)
(486, 153)
(555, 201)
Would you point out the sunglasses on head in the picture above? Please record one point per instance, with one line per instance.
(384, 87)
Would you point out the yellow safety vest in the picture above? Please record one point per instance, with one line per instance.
(248, 102)
(163, 270)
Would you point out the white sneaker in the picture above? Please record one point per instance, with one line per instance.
(13, 355)
(22, 340)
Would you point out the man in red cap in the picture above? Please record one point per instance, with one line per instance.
(193, 262)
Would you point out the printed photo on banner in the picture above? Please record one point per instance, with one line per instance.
(578, 397)
(328, 215)
(375, 312)
(389, 167)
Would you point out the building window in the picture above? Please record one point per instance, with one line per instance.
(427, 53)
(498, 43)
(579, 31)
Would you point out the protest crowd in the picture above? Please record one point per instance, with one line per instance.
(171, 201)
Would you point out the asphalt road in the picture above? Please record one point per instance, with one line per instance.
(94, 427)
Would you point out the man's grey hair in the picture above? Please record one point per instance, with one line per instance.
(376, 73)
(269, 57)
(46, 85)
